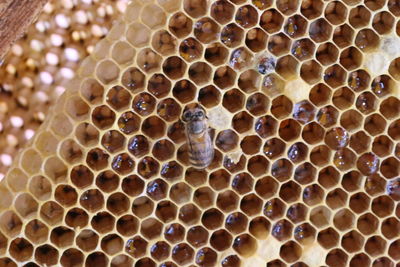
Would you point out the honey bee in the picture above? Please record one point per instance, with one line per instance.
(201, 151)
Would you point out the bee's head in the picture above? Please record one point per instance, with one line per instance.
(194, 114)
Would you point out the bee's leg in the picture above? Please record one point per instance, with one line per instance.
(211, 132)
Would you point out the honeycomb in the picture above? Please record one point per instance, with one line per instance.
(34, 73)
(302, 100)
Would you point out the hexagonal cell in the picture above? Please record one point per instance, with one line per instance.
(295, 26)
(351, 58)
(304, 234)
(311, 9)
(368, 163)
(216, 54)
(312, 133)
(148, 60)
(259, 227)
(107, 71)
(351, 120)
(271, 20)
(20, 249)
(393, 130)
(180, 25)
(274, 209)
(320, 216)
(197, 236)
(76, 217)
(360, 260)
(103, 117)
(50, 212)
(171, 170)
(351, 181)
(327, 116)
(394, 68)
(276, 263)
(273, 85)
(359, 202)
(375, 246)
(62, 236)
(227, 140)
(273, 148)
(343, 35)
(160, 250)
(87, 134)
(92, 90)
(175, 233)
(138, 34)
(390, 228)
(245, 245)
(87, 240)
(320, 155)
(36, 231)
(206, 30)
(374, 185)
(163, 42)
(328, 177)
(336, 257)
(367, 40)
(224, 77)
(46, 255)
(313, 195)
(189, 214)
(240, 58)
(360, 141)
(382, 85)
(343, 219)
(221, 240)
(390, 167)
(248, 81)
(359, 80)
(289, 192)
(320, 30)
(359, 16)
(320, 94)
(311, 72)
(335, 12)
(366, 102)
(251, 204)
(195, 8)
(71, 256)
(328, 238)
(136, 247)
(113, 141)
(206, 257)
(103, 222)
(297, 152)
(222, 11)
(279, 44)
(327, 53)
(159, 86)
(282, 230)
(236, 222)
(303, 49)
(336, 198)
(200, 73)
(394, 250)
(127, 225)
(256, 39)
(383, 22)
(92, 200)
(297, 212)
(107, 181)
(335, 76)
(390, 107)
(174, 67)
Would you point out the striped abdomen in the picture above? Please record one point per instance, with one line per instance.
(201, 150)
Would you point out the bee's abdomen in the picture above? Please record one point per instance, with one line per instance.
(201, 153)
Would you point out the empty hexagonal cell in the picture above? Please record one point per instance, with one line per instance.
(197, 236)
(216, 54)
(92, 90)
(374, 185)
(311, 72)
(148, 60)
(20, 249)
(359, 260)
(336, 198)
(163, 42)
(50, 212)
(289, 129)
(222, 11)
(383, 22)
(320, 94)
(189, 214)
(343, 98)
(174, 67)
(313, 195)
(236, 222)
(251, 204)
(336, 257)
(206, 257)
(245, 245)
(76, 217)
(92, 200)
(327, 53)
(359, 202)
(46, 255)
(335, 76)
(62, 236)
(351, 58)
(36, 231)
(336, 12)
(200, 72)
(394, 250)
(328, 177)
(393, 130)
(311, 9)
(320, 155)
(127, 225)
(103, 117)
(359, 16)
(71, 256)
(107, 71)
(289, 192)
(351, 181)
(160, 250)
(375, 246)
(87, 240)
(206, 30)
(390, 228)
(320, 216)
(351, 120)
(87, 134)
(360, 141)
(343, 219)
(389, 107)
(65, 195)
(227, 140)
(221, 240)
(40, 187)
(328, 238)
(175, 233)
(138, 34)
(343, 35)
(273, 85)
(320, 30)
(195, 8)
(390, 167)
(367, 40)
(279, 44)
